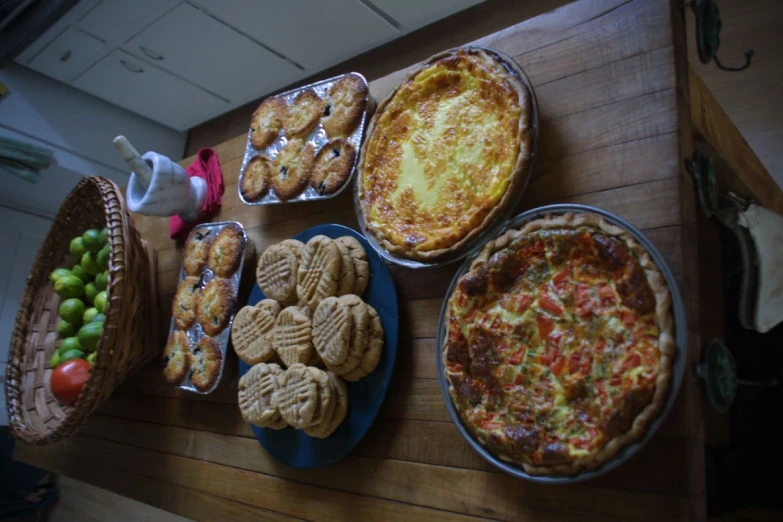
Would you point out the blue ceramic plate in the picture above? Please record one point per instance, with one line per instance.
(294, 447)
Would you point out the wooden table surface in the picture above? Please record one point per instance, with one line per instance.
(611, 80)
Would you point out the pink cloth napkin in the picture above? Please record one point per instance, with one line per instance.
(205, 166)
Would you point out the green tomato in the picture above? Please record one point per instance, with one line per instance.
(69, 286)
(54, 362)
(89, 314)
(100, 301)
(102, 280)
(89, 264)
(77, 248)
(79, 272)
(98, 318)
(71, 354)
(104, 236)
(103, 258)
(92, 240)
(90, 291)
(71, 343)
(66, 329)
(91, 358)
(89, 335)
(58, 273)
(72, 310)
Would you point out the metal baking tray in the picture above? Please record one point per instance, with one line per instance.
(318, 137)
(195, 333)
(680, 358)
(512, 67)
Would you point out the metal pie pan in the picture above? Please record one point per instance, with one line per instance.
(475, 245)
(680, 336)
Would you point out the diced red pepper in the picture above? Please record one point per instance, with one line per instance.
(579, 443)
(517, 357)
(519, 380)
(545, 325)
(584, 301)
(548, 304)
(462, 299)
(557, 368)
(632, 362)
(573, 362)
(560, 277)
(525, 300)
(629, 318)
(606, 294)
(615, 381)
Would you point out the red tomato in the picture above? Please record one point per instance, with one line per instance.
(545, 325)
(557, 368)
(548, 304)
(606, 293)
(68, 380)
(517, 357)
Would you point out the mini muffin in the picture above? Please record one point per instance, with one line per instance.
(186, 302)
(345, 104)
(176, 358)
(256, 179)
(226, 252)
(205, 362)
(197, 250)
(214, 310)
(304, 113)
(267, 121)
(292, 169)
(332, 166)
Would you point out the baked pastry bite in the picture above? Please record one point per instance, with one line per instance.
(332, 166)
(303, 114)
(185, 303)
(256, 389)
(267, 121)
(251, 332)
(292, 168)
(319, 271)
(194, 258)
(256, 179)
(176, 358)
(205, 361)
(276, 272)
(225, 254)
(361, 267)
(217, 301)
(345, 104)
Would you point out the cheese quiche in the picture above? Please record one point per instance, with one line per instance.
(445, 154)
(559, 344)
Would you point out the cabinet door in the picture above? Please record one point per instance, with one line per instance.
(314, 33)
(114, 21)
(199, 48)
(412, 14)
(68, 55)
(141, 88)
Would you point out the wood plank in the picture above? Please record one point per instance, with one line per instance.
(645, 472)
(377, 481)
(711, 122)
(164, 495)
(257, 489)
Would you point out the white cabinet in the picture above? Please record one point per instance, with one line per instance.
(117, 20)
(144, 89)
(412, 14)
(314, 33)
(194, 46)
(68, 55)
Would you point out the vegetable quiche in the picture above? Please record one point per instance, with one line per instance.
(559, 344)
(445, 153)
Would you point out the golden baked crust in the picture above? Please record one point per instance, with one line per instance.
(226, 252)
(186, 302)
(344, 107)
(256, 179)
(332, 167)
(196, 250)
(214, 310)
(267, 121)
(304, 113)
(559, 348)
(292, 169)
(445, 154)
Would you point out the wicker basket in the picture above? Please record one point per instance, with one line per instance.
(130, 328)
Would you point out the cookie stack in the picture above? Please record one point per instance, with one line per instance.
(301, 162)
(201, 311)
(314, 320)
(302, 397)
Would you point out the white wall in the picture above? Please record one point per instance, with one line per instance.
(21, 235)
(79, 128)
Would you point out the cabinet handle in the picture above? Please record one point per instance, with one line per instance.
(65, 56)
(131, 67)
(150, 54)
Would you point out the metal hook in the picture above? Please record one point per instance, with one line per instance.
(748, 56)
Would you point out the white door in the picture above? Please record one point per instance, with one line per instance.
(21, 235)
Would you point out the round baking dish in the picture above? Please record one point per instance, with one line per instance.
(680, 337)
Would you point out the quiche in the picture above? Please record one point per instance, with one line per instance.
(559, 344)
(445, 152)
